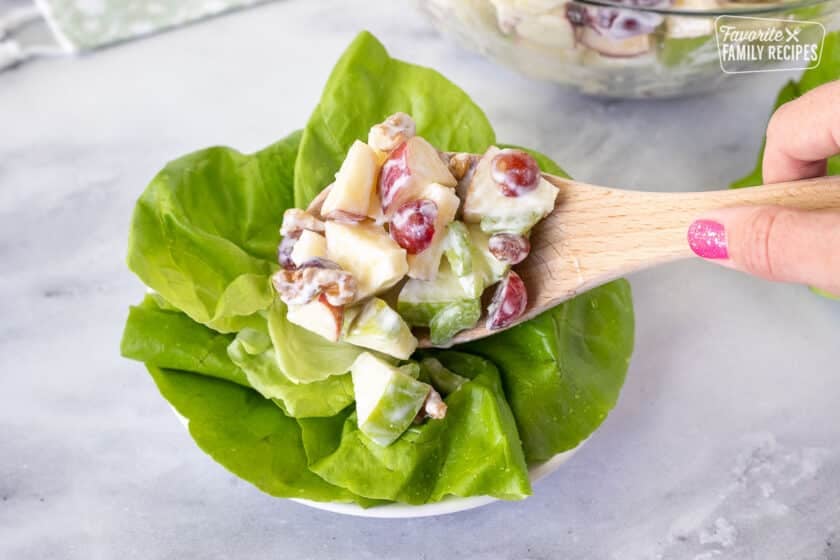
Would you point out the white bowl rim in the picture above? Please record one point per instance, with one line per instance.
(451, 504)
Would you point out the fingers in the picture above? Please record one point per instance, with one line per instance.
(773, 243)
(802, 134)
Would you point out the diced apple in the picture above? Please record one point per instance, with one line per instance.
(380, 328)
(374, 206)
(516, 9)
(375, 212)
(628, 47)
(409, 168)
(549, 29)
(595, 59)
(354, 183)
(424, 265)
(309, 246)
(687, 27)
(387, 399)
(319, 317)
(368, 253)
(486, 204)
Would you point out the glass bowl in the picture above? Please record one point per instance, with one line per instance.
(618, 48)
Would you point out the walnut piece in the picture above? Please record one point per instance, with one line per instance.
(462, 166)
(461, 163)
(314, 277)
(433, 407)
(391, 132)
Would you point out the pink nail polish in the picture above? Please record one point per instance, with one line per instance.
(707, 239)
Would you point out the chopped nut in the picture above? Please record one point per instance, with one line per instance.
(462, 163)
(295, 219)
(462, 166)
(433, 407)
(284, 251)
(314, 277)
(391, 132)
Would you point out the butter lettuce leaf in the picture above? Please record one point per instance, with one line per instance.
(563, 370)
(305, 356)
(248, 435)
(204, 233)
(299, 400)
(170, 339)
(474, 450)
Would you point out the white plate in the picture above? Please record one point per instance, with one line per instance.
(447, 505)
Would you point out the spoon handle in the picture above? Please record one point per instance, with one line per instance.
(682, 209)
(809, 194)
(602, 233)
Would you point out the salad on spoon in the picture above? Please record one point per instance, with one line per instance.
(408, 237)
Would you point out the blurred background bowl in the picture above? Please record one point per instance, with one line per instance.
(624, 48)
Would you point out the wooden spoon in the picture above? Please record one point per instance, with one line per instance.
(597, 234)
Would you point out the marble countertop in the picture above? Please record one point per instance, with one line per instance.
(725, 443)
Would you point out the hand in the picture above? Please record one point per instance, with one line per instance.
(777, 243)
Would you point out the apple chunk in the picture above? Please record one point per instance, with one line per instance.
(624, 47)
(319, 317)
(424, 265)
(368, 253)
(409, 168)
(387, 399)
(354, 183)
(309, 246)
(485, 202)
(548, 30)
(682, 27)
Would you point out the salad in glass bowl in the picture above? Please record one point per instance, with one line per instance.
(290, 355)
(613, 48)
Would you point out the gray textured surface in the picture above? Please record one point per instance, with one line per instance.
(726, 440)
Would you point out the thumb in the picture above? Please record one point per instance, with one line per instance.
(774, 243)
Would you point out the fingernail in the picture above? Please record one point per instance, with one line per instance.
(707, 239)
